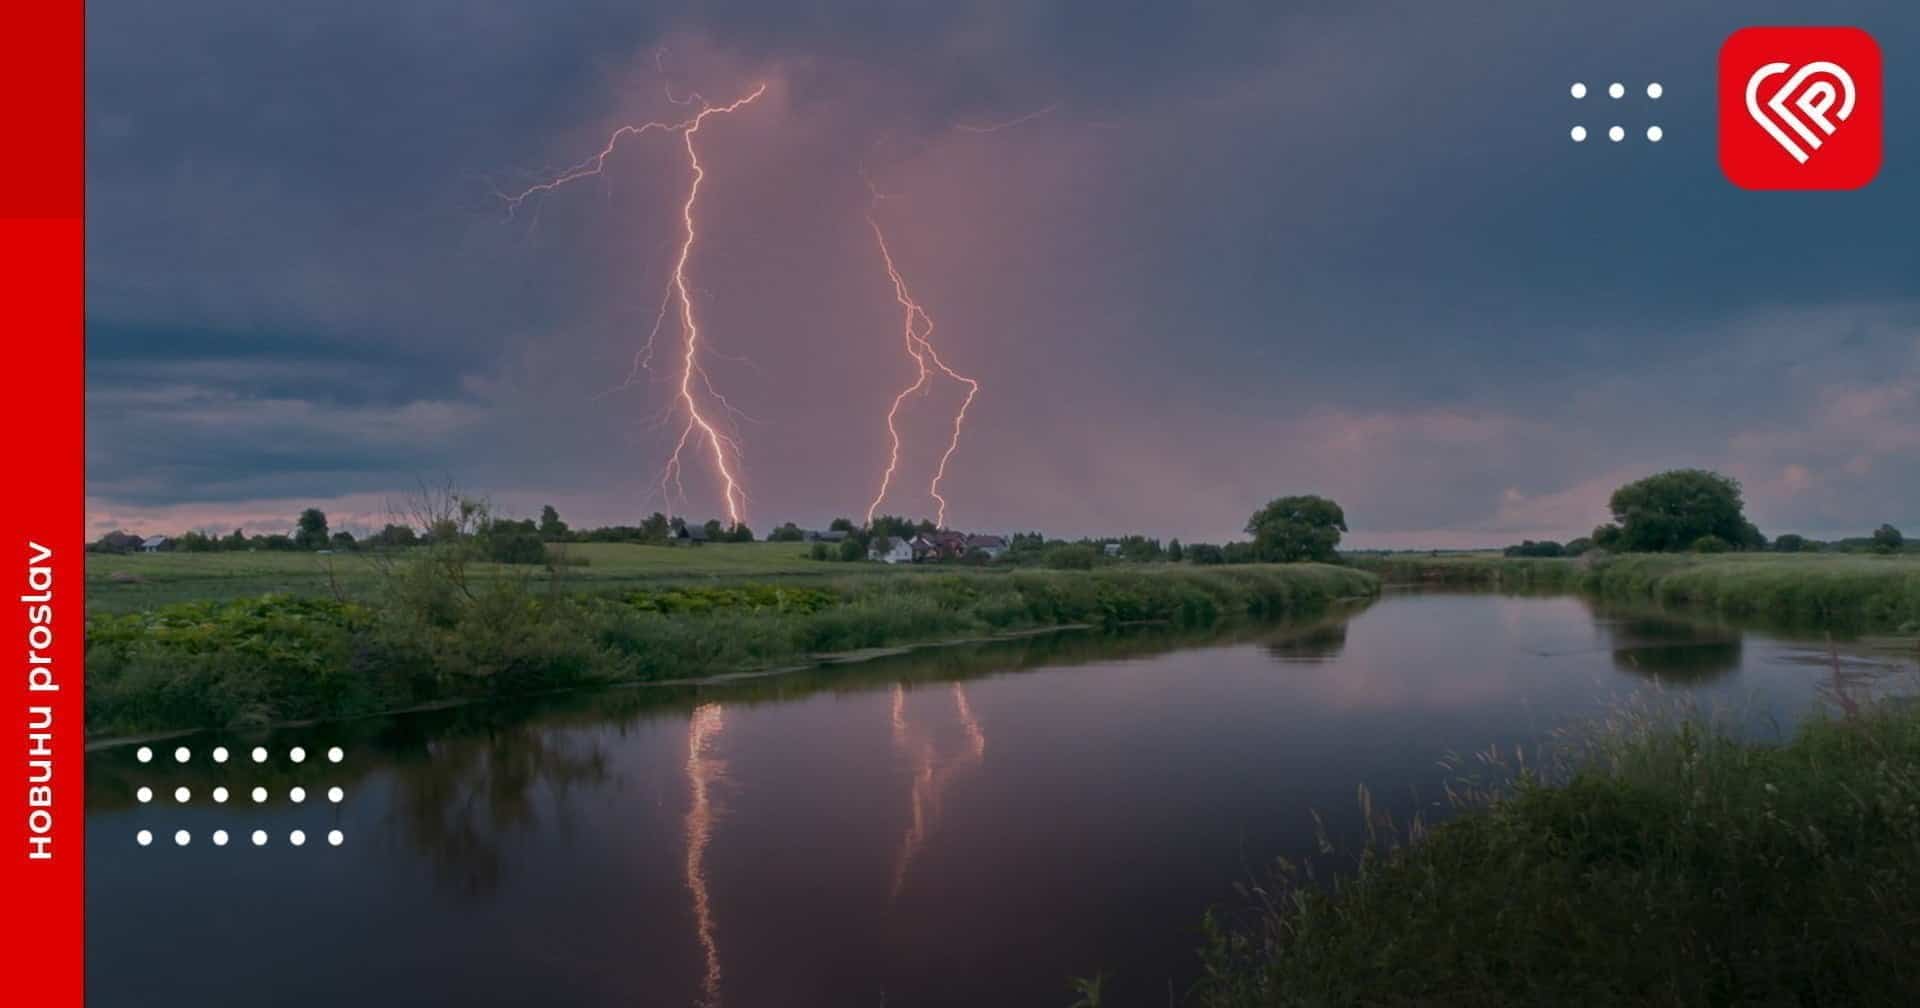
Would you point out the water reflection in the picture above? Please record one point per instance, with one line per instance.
(584, 847)
(703, 770)
(1672, 651)
(1312, 642)
(930, 776)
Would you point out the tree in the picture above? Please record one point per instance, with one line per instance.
(393, 536)
(1669, 512)
(1206, 553)
(1576, 547)
(1076, 556)
(841, 525)
(552, 528)
(820, 551)
(236, 541)
(1174, 552)
(1790, 543)
(196, 542)
(788, 532)
(656, 528)
(1529, 548)
(715, 531)
(1710, 544)
(897, 526)
(1887, 539)
(739, 533)
(343, 541)
(1290, 529)
(311, 533)
(851, 549)
(116, 542)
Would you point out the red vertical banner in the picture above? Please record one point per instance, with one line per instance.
(42, 513)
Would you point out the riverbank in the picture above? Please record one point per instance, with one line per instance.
(1842, 591)
(1680, 867)
(277, 658)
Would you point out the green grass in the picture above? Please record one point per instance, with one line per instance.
(1853, 590)
(1679, 867)
(421, 639)
(127, 583)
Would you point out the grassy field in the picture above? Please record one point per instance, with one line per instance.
(1678, 867)
(1851, 590)
(426, 637)
(126, 583)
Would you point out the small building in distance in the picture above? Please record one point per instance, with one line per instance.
(898, 551)
(993, 546)
(692, 535)
(155, 544)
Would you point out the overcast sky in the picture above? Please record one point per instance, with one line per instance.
(1257, 250)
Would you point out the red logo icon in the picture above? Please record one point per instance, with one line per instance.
(1800, 108)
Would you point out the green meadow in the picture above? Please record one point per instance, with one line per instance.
(135, 581)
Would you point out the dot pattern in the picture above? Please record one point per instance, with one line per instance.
(1617, 90)
(219, 754)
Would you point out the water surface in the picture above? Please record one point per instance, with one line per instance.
(966, 826)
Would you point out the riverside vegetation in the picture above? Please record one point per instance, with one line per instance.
(1673, 865)
(435, 632)
(1835, 591)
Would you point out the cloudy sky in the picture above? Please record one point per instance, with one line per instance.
(1217, 255)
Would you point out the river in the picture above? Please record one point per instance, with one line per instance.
(964, 826)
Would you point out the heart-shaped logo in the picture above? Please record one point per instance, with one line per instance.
(1800, 108)
(1804, 103)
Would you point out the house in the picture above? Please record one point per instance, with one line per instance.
(898, 551)
(692, 535)
(154, 544)
(1112, 549)
(993, 546)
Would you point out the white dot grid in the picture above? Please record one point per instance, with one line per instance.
(219, 754)
(1616, 90)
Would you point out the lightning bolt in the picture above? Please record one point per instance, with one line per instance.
(725, 450)
(917, 332)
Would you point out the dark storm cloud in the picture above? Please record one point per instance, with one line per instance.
(1249, 249)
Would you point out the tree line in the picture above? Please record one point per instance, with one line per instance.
(1693, 511)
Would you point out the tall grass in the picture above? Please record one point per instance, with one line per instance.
(437, 635)
(1854, 590)
(1677, 866)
